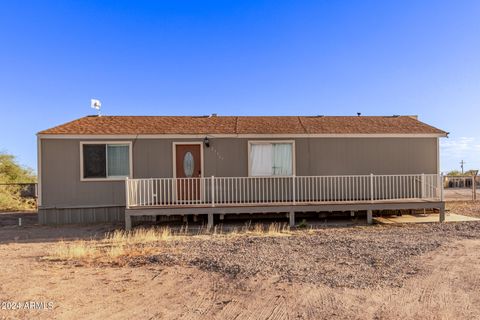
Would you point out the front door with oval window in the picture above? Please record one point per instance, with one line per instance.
(188, 168)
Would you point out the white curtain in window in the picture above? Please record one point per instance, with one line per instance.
(282, 159)
(118, 160)
(261, 159)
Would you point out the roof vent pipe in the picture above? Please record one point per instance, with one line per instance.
(359, 114)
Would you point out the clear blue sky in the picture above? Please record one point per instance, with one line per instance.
(241, 58)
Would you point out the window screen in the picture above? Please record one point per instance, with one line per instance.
(118, 164)
(94, 161)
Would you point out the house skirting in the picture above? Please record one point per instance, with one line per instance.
(80, 215)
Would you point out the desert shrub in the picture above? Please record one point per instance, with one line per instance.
(12, 172)
(11, 200)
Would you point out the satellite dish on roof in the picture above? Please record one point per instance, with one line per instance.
(96, 104)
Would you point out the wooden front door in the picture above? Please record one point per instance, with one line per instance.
(188, 164)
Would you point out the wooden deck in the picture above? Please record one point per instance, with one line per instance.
(236, 195)
(285, 208)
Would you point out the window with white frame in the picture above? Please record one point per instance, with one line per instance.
(105, 160)
(271, 158)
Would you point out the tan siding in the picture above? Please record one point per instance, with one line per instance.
(152, 158)
(341, 156)
(226, 158)
(61, 185)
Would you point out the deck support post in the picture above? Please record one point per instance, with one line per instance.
(195, 218)
(210, 221)
(222, 216)
(128, 222)
(369, 217)
(291, 216)
(185, 219)
(442, 214)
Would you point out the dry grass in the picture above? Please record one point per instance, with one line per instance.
(77, 250)
(114, 246)
(140, 242)
(258, 230)
(273, 229)
(140, 236)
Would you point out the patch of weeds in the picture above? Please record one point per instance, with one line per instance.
(303, 224)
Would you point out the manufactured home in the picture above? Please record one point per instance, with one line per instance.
(115, 168)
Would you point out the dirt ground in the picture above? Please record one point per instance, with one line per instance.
(466, 208)
(459, 194)
(426, 271)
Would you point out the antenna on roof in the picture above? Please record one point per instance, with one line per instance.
(96, 104)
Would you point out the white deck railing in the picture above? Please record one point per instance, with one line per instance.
(233, 191)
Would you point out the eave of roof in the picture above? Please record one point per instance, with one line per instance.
(244, 126)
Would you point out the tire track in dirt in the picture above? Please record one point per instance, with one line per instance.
(321, 304)
(453, 273)
(231, 310)
(273, 308)
(203, 304)
(257, 301)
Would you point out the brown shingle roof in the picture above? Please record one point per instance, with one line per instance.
(111, 125)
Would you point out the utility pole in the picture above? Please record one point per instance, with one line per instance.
(461, 165)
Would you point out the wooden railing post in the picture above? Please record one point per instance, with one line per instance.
(372, 198)
(127, 192)
(422, 195)
(212, 187)
(294, 190)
